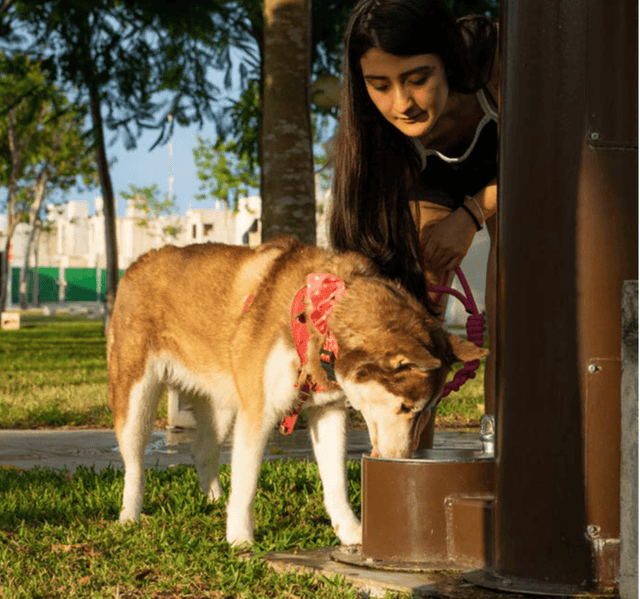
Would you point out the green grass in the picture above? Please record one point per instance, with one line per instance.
(59, 536)
(53, 374)
(465, 408)
(58, 532)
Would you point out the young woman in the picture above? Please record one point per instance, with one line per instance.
(416, 152)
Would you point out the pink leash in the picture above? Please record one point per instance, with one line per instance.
(475, 330)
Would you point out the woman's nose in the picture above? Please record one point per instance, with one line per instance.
(402, 100)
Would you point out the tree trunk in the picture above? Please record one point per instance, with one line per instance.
(34, 211)
(4, 273)
(288, 190)
(36, 265)
(24, 276)
(15, 150)
(109, 207)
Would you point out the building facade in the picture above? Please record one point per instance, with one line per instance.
(71, 256)
(68, 259)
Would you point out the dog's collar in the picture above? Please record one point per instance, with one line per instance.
(314, 302)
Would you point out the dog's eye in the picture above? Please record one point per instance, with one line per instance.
(405, 409)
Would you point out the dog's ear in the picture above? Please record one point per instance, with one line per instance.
(465, 351)
(401, 362)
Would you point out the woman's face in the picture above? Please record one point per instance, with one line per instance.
(411, 92)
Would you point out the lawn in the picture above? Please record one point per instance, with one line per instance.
(59, 536)
(53, 374)
(58, 531)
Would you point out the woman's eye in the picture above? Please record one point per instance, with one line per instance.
(420, 81)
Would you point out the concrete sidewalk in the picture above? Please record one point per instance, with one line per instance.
(99, 448)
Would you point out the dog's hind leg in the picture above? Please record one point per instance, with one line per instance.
(212, 428)
(133, 436)
(249, 441)
(328, 435)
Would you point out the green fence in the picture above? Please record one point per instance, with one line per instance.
(82, 284)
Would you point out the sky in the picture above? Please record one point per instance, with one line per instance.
(143, 168)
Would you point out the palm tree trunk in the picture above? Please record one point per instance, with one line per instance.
(287, 186)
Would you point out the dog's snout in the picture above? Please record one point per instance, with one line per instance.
(419, 426)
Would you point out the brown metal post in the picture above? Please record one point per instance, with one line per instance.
(567, 240)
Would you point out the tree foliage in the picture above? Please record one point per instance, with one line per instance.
(223, 174)
(146, 59)
(238, 121)
(147, 201)
(43, 147)
(134, 62)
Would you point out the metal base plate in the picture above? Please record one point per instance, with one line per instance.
(353, 556)
(494, 581)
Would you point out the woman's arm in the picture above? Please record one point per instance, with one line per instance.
(447, 242)
(485, 203)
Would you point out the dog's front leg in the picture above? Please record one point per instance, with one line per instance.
(249, 440)
(328, 435)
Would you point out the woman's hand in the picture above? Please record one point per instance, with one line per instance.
(448, 241)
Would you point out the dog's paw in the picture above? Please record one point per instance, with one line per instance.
(215, 492)
(349, 534)
(128, 517)
(239, 539)
(239, 529)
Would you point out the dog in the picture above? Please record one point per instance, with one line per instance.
(252, 335)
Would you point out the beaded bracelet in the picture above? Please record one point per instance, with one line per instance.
(473, 216)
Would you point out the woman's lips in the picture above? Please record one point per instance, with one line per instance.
(411, 119)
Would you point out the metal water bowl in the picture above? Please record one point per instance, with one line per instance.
(433, 510)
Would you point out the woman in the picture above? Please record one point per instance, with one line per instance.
(416, 152)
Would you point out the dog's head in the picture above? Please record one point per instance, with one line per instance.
(393, 361)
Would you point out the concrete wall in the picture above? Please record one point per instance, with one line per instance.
(629, 444)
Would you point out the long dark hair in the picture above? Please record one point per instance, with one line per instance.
(376, 164)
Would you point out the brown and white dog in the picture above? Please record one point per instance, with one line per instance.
(215, 321)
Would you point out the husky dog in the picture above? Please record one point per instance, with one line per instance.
(252, 335)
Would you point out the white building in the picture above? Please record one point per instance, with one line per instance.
(74, 238)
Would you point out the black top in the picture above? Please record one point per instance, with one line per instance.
(448, 184)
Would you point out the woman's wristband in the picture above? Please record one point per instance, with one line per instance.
(473, 217)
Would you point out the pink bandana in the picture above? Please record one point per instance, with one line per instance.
(322, 291)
